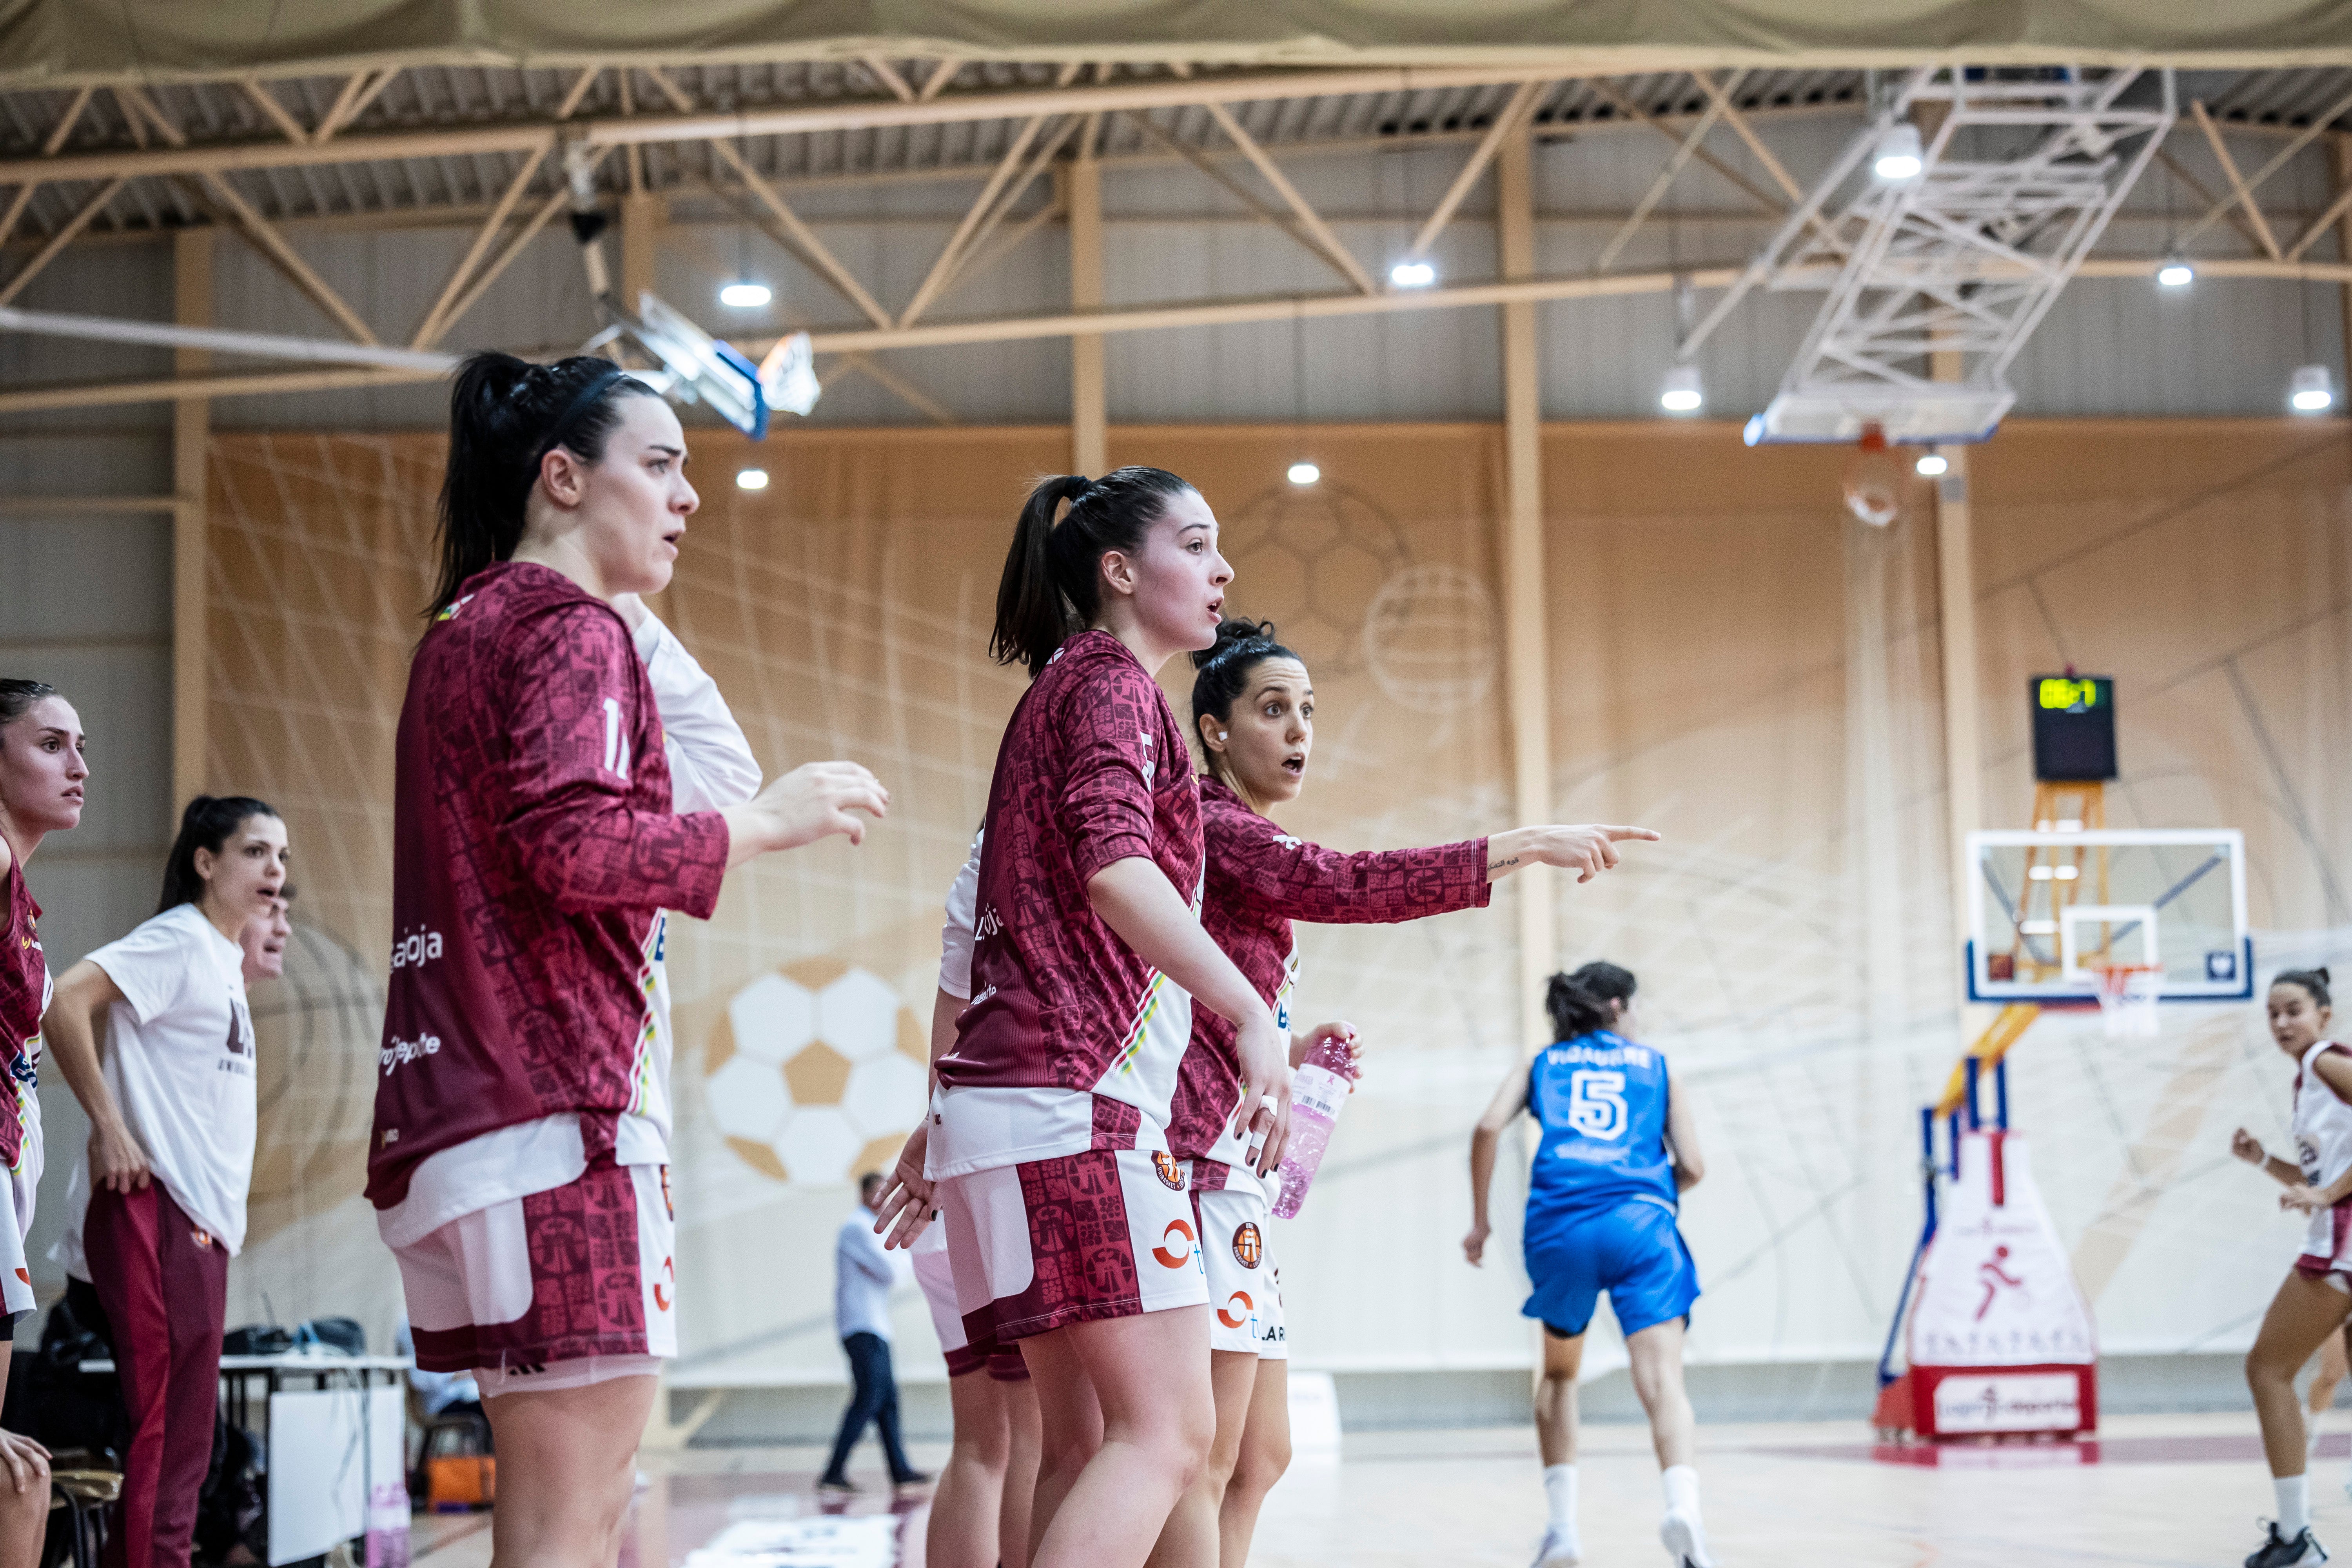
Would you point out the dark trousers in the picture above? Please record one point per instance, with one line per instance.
(873, 1396)
(164, 1285)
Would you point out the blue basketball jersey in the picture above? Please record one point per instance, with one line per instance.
(1602, 1102)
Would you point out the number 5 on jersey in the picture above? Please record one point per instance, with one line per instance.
(1596, 1103)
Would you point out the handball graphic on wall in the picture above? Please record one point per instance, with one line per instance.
(816, 1073)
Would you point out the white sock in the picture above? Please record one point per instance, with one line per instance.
(2294, 1505)
(1682, 1490)
(1560, 1495)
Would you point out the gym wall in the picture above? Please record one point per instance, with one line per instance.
(1733, 662)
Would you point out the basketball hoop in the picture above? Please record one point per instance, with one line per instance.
(2128, 995)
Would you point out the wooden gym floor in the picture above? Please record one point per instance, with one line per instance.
(2173, 1491)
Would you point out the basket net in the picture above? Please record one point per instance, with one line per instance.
(2128, 997)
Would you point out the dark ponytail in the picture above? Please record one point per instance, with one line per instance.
(1052, 587)
(1580, 1003)
(1223, 671)
(505, 414)
(2314, 980)
(17, 696)
(206, 825)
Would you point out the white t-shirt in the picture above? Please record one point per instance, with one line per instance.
(179, 1058)
(710, 767)
(956, 937)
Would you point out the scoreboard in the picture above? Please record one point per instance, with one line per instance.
(2073, 728)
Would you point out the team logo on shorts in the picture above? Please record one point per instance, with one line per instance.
(1238, 1310)
(204, 1238)
(1169, 1253)
(1249, 1248)
(1171, 1174)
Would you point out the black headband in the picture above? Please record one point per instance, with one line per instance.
(580, 404)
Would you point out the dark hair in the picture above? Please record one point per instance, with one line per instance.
(2314, 980)
(1224, 670)
(1579, 1002)
(206, 825)
(1052, 582)
(868, 1182)
(18, 696)
(505, 414)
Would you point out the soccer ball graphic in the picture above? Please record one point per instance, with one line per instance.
(817, 1073)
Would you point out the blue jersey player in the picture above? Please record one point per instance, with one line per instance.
(1618, 1148)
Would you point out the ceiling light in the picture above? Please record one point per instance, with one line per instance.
(1899, 157)
(745, 296)
(1412, 275)
(1681, 393)
(750, 478)
(1304, 473)
(2175, 273)
(2309, 390)
(1935, 465)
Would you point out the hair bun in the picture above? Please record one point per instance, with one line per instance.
(1232, 633)
(2325, 978)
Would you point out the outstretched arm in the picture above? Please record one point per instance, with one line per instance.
(1510, 1098)
(1587, 850)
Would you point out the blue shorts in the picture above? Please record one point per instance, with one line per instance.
(1632, 1251)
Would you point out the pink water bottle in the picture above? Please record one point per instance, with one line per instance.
(1317, 1089)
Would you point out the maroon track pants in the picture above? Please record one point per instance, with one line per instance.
(163, 1282)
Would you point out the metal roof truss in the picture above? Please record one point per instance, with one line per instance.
(2018, 179)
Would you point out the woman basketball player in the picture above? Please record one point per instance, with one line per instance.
(519, 1165)
(1067, 1222)
(1619, 1149)
(42, 774)
(980, 1514)
(1253, 708)
(156, 1205)
(2316, 1295)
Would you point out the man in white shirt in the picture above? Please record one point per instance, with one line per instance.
(863, 1276)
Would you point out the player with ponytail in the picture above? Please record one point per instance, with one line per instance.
(1254, 717)
(1069, 1233)
(2315, 1298)
(43, 770)
(552, 799)
(1618, 1148)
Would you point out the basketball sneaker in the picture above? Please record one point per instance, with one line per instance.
(1684, 1541)
(1559, 1549)
(2278, 1552)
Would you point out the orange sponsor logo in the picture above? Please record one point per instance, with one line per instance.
(25, 1277)
(1227, 1315)
(203, 1237)
(669, 1271)
(1171, 1174)
(1249, 1247)
(1169, 1255)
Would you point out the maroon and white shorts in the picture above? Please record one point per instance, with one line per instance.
(560, 1288)
(935, 1273)
(1103, 1233)
(1245, 1281)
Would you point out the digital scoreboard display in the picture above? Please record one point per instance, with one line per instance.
(2073, 728)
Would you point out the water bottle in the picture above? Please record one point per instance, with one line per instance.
(1317, 1089)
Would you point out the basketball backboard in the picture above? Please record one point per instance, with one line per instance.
(2047, 910)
